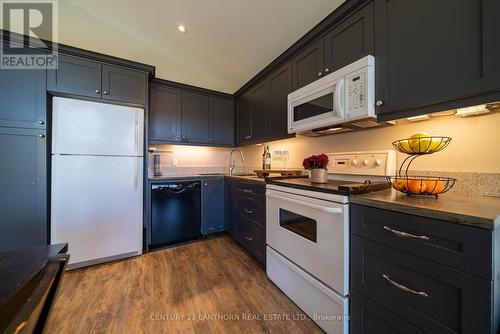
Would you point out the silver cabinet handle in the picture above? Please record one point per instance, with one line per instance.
(327, 70)
(97, 91)
(379, 103)
(248, 211)
(41, 122)
(41, 136)
(404, 288)
(320, 74)
(405, 234)
(248, 237)
(105, 92)
(248, 190)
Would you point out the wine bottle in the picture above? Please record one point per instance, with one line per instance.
(267, 159)
(264, 159)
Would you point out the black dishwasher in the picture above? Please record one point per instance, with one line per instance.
(175, 212)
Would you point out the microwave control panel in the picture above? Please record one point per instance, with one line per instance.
(356, 93)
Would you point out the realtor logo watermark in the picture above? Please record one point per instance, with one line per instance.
(26, 26)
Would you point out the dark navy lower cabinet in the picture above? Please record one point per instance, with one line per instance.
(213, 217)
(397, 286)
(246, 216)
(23, 188)
(368, 317)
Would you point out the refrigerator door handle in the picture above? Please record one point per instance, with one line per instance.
(136, 174)
(136, 137)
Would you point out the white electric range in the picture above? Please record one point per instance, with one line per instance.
(307, 235)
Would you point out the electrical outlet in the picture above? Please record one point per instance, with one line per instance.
(174, 162)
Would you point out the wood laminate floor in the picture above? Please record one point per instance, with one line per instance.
(210, 286)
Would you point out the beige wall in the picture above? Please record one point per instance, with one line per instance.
(474, 148)
(194, 156)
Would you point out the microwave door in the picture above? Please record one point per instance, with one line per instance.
(319, 108)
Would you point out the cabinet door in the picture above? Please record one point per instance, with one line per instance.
(23, 98)
(425, 56)
(280, 85)
(259, 104)
(121, 84)
(194, 117)
(350, 40)
(230, 209)
(243, 119)
(164, 114)
(221, 120)
(23, 189)
(77, 76)
(213, 206)
(308, 65)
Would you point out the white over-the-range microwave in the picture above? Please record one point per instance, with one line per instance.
(341, 101)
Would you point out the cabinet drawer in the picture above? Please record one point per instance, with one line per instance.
(252, 208)
(249, 188)
(367, 317)
(436, 297)
(251, 238)
(462, 247)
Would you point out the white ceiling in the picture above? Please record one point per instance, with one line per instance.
(227, 41)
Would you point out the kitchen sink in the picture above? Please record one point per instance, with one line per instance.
(238, 174)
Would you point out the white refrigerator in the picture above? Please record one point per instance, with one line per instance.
(96, 184)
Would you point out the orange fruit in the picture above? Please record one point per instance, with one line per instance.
(399, 184)
(435, 186)
(416, 186)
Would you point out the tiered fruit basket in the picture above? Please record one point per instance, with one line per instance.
(416, 184)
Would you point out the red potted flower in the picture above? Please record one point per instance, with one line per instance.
(318, 165)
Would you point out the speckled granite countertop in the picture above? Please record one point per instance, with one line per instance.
(477, 211)
(252, 178)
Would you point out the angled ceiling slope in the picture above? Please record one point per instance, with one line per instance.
(226, 44)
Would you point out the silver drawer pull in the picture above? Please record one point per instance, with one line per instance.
(405, 234)
(247, 190)
(404, 288)
(248, 211)
(249, 237)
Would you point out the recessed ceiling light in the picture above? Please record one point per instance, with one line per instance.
(182, 28)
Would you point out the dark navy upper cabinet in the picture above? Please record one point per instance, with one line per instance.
(85, 77)
(165, 114)
(183, 115)
(259, 106)
(262, 111)
(194, 117)
(280, 85)
(351, 40)
(23, 98)
(243, 119)
(121, 84)
(76, 75)
(439, 65)
(221, 120)
(309, 64)
(212, 192)
(23, 188)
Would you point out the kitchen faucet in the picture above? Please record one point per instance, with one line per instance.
(231, 163)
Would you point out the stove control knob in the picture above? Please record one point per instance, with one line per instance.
(354, 162)
(378, 162)
(366, 162)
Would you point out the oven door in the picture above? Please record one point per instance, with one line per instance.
(312, 233)
(319, 104)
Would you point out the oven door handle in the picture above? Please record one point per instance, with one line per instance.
(310, 205)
